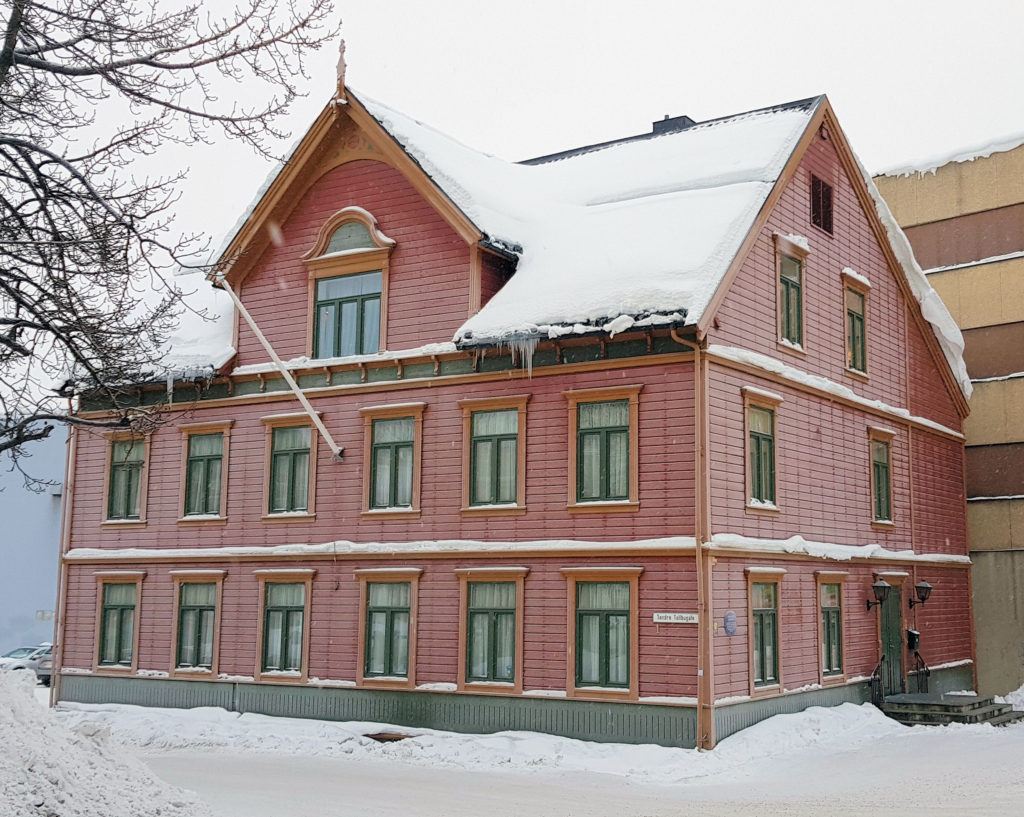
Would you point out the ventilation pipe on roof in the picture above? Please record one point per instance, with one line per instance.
(336, 450)
(671, 124)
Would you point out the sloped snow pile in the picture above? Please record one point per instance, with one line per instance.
(49, 770)
(169, 730)
(1014, 698)
(153, 729)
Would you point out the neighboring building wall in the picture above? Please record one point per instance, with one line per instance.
(29, 547)
(965, 221)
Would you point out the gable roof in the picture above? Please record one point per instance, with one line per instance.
(639, 230)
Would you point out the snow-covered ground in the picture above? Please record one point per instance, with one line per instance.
(112, 760)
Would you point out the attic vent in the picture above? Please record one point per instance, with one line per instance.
(672, 123)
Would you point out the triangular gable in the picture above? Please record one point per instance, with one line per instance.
(930, 315)
(311, 157)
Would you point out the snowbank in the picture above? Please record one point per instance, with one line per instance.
(50, 770)
(174, 730)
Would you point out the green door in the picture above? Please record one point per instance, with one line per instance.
(892, 643)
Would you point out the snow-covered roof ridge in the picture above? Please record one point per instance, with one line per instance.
(930, 164)
(685, 199)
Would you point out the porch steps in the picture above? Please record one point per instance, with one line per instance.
(925, 708)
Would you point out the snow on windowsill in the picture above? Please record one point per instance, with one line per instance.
(329, 682)
(796, 347)
(761, 505)
(280, 673)
(75, 671)
(545, 693)
(732, 699)
(235, 678)
(669, 699)
(152, 673)
(438, 686)
(951, 664)
(791, 373)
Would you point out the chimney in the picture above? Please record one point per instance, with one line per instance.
(670, 124)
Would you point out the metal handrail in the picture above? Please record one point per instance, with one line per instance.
(921, 671)
(877, 695)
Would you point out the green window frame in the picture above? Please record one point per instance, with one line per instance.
(791, 327)
(127, 460)
(348, 313)
(494, 457)
(117, 624)
(197, 612)
(284, 613)
(491, 631)
(392, 454)
(856, 341)
(761, 432)
(203, 474)
(602, 451)
(289, 469)
(881, 480)
(830, 597)
(602, 634)
(388, 619)
(764, 602)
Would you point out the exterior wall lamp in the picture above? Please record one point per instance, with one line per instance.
(881, 590)
(923, 591)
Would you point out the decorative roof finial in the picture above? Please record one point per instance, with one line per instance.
(341, 72)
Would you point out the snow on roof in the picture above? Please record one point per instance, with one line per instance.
(932, 163)
(636, 228)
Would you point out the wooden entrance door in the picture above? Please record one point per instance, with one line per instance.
(892, 643)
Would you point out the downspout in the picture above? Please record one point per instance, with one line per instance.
(702, 524)
(336, 450)
(62, 571)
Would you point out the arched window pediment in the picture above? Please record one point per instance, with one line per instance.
(350, 231)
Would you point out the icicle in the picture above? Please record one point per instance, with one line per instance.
(523, 349)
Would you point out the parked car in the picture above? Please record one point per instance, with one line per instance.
(44, 667)
(29, 660)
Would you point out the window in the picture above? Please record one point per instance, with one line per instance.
(291, 467)
(603, 448)
(393, 437)
(387, 643)
(491, 631)
(856, 346)
(603, 616)
(764, 614)
(821, 204)
(790, 255)
(881, 481)
(127, 469)
(117, 599)
(494, 456)
(348, 315)
(203, 474)
(197, 608)
(790, 281)
(348, 269)
(761, 422)
(117, 633)
(392, 463)
(831, 628)
(284, 614)
(387, 629)
(491, 622)
(602, 634)
(283, 652)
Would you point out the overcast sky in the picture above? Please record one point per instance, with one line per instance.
(908, 80)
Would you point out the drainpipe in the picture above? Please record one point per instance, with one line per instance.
(62, 571)
(702, 525)
(336, 450)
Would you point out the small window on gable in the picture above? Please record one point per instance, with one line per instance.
(821, 204)
(348, 292)
(352, 235)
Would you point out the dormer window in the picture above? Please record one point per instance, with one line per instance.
(348, 270)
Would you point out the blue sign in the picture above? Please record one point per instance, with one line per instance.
(730, 623)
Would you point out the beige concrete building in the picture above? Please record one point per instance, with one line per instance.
(965, 220)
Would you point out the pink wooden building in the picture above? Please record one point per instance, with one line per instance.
(628, 435)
